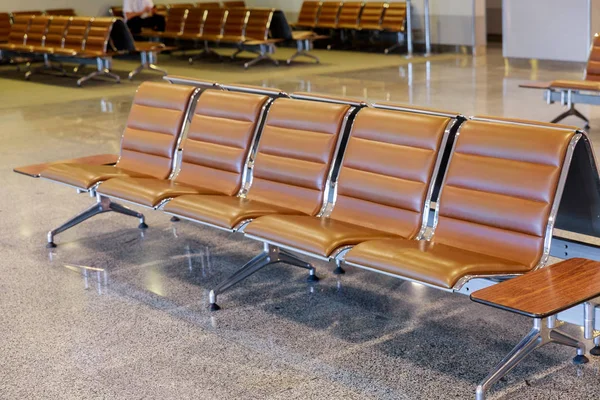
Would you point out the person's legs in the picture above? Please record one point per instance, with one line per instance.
(135, 25)
(155, 22)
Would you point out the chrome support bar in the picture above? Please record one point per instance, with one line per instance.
(270, 255)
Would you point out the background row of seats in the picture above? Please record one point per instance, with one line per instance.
(117, 11)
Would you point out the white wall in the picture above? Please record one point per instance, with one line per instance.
(561, 30)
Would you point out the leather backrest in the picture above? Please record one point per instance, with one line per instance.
(75, 36)
(593, 66)
(259, 23)
(219, 140)
(37, 30)
(500, 186)
(63, 12)
(350, 13)
(208, 5)
(387, 170)
(180, 5)
(99, 34)
(153, 128)
(215, 20)
(236, 22)
(372, 15)
(176, 19)
(116, 12)
(56, 31)
(329, 13)
(4, 27)
(194, 21)
(29, 13)
(19, 29)
(309, 13)
(295, 153)
(234, 4)
(394, 17)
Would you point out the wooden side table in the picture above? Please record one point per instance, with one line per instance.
(541, 295)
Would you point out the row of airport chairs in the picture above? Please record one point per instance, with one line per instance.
(246, 29)
(319, 176)
(55, 39)
(163, 9)
(355, 16)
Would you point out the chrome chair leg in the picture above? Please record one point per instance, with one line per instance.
(540, 335)
(270, 255)
(396, 45)
(237, 53)
(572, 111)
(206, 51)
(103, 204)
(147, 61)
(96, 209)
(103, 69)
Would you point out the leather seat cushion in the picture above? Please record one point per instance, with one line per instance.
(64, 52)
(429, 262)
(84, 176)
(147, 191)
(577, 85)
(7, 46)
(321, 236)
(232, 39)
(223, 211)
(22, 48)
(209, 37)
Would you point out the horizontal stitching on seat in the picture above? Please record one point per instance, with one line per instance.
(150, 131)
(290, 158)
(382, 174)
(224, 118)
(214, 144)
(494, 193)
(143, 152)
(505, 159)
(420, 212)
(393, 144)
(158, 107)
(299, 130)
(487, 225)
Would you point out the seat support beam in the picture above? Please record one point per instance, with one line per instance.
(103, 204)
(270, 255)
(543, 332)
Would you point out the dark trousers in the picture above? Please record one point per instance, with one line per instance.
(155, 22)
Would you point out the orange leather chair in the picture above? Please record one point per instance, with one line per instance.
(61, 12)
(36, 34)
(215, 152)
(148, 147)
(4, 27)
(376, 196)
(328, 16)
(491, 223)
(234, 4)
(18, 33)
(394, 21)
(212, 31)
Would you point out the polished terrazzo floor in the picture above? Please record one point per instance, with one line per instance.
(114, 313)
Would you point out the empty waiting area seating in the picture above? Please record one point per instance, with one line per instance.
(344, 181)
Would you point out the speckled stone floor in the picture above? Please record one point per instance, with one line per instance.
(114, 313)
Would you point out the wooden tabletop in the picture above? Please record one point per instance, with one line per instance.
(36, 169)
(535, 85)
(547, 291)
